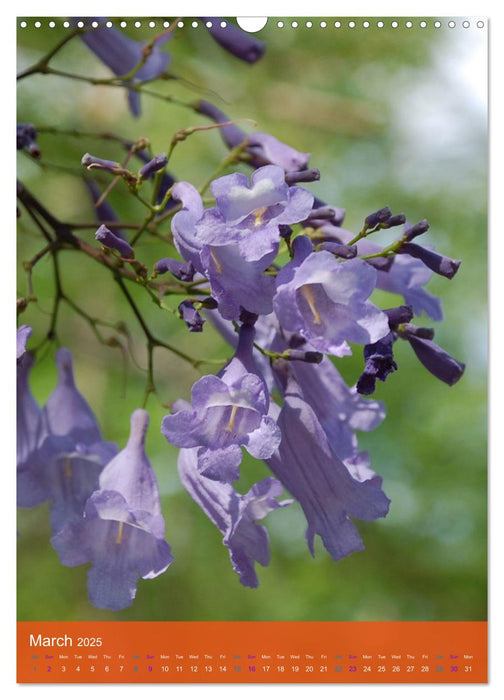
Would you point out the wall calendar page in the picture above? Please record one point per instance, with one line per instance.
(251, 350)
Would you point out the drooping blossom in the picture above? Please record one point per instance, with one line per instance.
(227, 411)
(121, 532)
(61, 448)
(317, 478)
(234, 514)
(326, 301)
(122, 54)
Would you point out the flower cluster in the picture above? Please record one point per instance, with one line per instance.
(105, 505)
(270, 267)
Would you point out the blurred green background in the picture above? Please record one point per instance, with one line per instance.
(391, 116)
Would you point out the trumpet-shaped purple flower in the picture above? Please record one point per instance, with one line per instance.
(60, 449)
(402, 275)
(326, 301)
(122, 54)
(122, 530)
(234, 242)
(29, 427)
(311, 471)
(227, 412)
(235, 515)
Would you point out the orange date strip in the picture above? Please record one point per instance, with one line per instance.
(252, 652)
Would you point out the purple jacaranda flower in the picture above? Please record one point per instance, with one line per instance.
(261, 149)
(26, 136)
(122, 529)
(339, 408)
(233, 243)
(402, 275)
(183, 271)
(66, 412)
(227, 412)
(234, 514)
(63, 449)
(122, 54)
(105, 213)
(234, 40)
(312, 472)
(191, 317)
(436, 360)
(29, 427)
(326, 301)
(109, 239)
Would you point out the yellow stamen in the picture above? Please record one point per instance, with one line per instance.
(120, 533)
(216, 261)
(68, 469)
(258, 215)
(230, 425)
(307, 292)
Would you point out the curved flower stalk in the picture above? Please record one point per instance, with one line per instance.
(234, 242)
(326, 300)
(235, 515)
(122, 529)
(227, 411)
(311, 471)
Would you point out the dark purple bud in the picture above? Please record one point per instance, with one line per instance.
(109, 239)
(157, 163)
(183, 271)
(104, 211)
(90, 162)
(209, 303)
(395, 220)
(447, 267)
(380, 363)
(26, 138)
(311, 175)
(285, 230)
(378, 217)
(436, 360)
(410, 330)
(232, 135)
(417, 230)
(167, 181)
(324, 213)
(310, 356)
(193, 320)
(342, 251)
(399, 315)
(235, 40)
